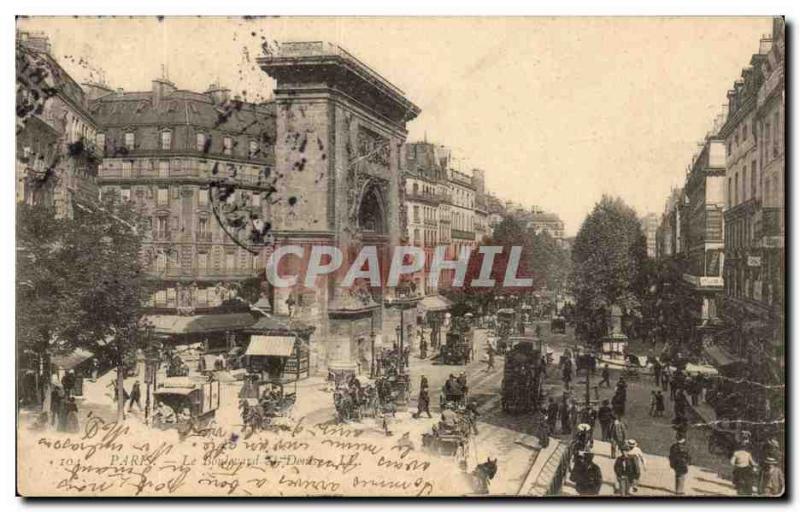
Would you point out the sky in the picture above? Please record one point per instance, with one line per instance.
(557, 111)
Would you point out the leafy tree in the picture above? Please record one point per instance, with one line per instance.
(607, 257)
(81, 283)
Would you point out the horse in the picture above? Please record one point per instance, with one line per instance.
(482, 475)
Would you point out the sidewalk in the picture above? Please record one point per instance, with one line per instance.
(658, 478)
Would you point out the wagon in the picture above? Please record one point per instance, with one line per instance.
(186, 403)
(457, 349)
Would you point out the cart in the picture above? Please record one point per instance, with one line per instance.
(186, 404)
(457, 348)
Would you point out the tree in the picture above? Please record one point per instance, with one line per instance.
(81, 283)
(46, 305)
(116, 287)
(608, 257)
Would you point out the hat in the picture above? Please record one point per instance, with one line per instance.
(583, 427)
(632, 443)
(770, 460)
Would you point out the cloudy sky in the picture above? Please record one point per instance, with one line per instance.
(557, 111)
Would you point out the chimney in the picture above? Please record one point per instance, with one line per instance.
(218, 94)
(161, 89)
(764, 45)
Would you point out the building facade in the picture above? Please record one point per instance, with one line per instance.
(702, 230)
(754, 217)
(340, 134)
(650, 229)
(56, 160)
(162, 150)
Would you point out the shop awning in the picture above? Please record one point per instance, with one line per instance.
(72, 359)
(436, 303)
(174, 391)
(281, 346)
(176, 324)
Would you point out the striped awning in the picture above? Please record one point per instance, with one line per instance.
(280, 346)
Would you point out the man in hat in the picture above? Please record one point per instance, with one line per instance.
(619, 434)
(743, 469)
(626, 470)
(772, 481)
(606, 417)
(679, 460)
(638, 458)
(606, 377)
(423, 401)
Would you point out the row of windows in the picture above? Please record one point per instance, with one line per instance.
(202, 143)
(162, 195)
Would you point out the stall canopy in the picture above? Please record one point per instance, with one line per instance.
(436, 303)
(280, 346)
(176, 324)
(72, 359)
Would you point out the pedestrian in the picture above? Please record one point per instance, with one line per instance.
(657, 372)
(744, 468)
(563, 413)
(71, 423)
(679, 460)
(622, 387)
(56, 404)
(772, 481)
(566, 375)
(606, 417)
(626, 470)
(542, 429)
(552, 414)
(95, 369)
(587, 475)
(641, 465)
(423, 403)
(606, 377)
(665, 378)
(472, 414)
(619, 434)
(681, 403)
(68, 382)
(618, 404)
(490, 360)
(652, 410)
(589, 417)
(136, 397)
(659, 404)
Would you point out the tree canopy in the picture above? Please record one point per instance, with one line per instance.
(608, 259)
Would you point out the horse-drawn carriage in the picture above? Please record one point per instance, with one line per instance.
(523, 375)
(261, 402)
(457, 348)
(185, 403)
(359, 398)
(451, 436)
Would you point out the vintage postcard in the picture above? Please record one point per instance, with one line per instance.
(408, 257)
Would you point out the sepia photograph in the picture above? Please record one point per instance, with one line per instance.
(400, 257)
